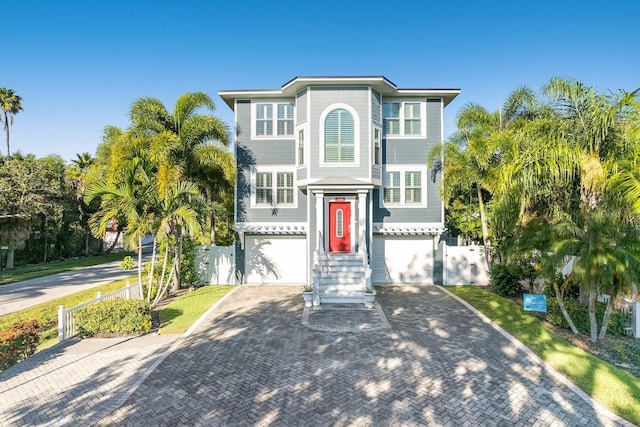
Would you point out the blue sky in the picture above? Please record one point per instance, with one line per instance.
(78, 65)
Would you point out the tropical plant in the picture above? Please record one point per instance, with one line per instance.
(194, 146)
(10, 104)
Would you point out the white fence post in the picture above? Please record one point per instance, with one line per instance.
(61, 323)
(127, 291)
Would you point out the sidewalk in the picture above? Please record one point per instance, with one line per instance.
(77, 381)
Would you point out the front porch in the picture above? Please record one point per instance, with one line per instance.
(340, 267)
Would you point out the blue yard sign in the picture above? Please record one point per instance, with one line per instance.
(535, 303)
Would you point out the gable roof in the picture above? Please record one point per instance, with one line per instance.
(383, 85)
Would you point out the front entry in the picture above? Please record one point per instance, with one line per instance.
(339, 227)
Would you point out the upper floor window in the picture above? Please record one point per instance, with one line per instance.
(339, 137)
(273, 119)
(404, 118)
(404, 186)
(301, 147)
(376, 147)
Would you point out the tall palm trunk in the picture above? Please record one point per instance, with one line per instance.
(606, 317)
(563, 309)
(140, 266)
(6, 129)
(485, 228)
(177, 259)
(593, 323)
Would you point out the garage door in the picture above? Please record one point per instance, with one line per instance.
(402, 259)
(276, 260)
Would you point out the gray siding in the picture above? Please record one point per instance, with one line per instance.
(376, 107)
(301, 107)
(261, 152)
(356, 98)
(430, 213)
(434, 120)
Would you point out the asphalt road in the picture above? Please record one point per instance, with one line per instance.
(19, 295)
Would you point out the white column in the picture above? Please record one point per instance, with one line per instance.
(362, 221)
(319, 219)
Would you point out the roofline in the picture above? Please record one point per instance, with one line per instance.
(383, 85)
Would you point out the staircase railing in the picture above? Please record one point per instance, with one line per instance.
(367, 267)
(318, 264)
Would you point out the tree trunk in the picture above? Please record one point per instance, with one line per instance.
(6, 128)
(139, 265)
(10, 257)
(485, 229)
(593, 323)
(115, 242)
(584, 295)
(86, 243)
(212, 230)
(563, 309)
(178, 257)
(152, 270)
(605, 318)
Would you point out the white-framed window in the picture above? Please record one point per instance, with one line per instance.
(377, 150)
(404, 186)
(273, 186)
(405, 118)
(301, 147)
(284, 188)
(264, 188)
(339, 124)
(273, 119)
(339, 137)
(391, 188)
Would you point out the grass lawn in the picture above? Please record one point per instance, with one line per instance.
(47, 313)
(179, 315)
(45, 269)
(614, 388)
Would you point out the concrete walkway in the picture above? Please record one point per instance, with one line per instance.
(252, 362)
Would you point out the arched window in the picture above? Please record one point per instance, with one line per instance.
(339, 137)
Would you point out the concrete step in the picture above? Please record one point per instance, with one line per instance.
(341, 297)
(341, 287)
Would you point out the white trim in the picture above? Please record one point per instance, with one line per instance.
(274, 118)
(409, 228)
(401, 118)
(273, 169)
(403, 169)
(356, 136)
(271, 227)
(235, 156)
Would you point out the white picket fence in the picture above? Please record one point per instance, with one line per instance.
(66, 320)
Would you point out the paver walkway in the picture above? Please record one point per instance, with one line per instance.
(252, 362)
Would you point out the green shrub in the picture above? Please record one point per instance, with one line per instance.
(128, 263)
(18, 343)
(505, 279)
(580, 316)
(118, 316)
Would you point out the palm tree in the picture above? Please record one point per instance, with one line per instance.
(472, 158)
(10, 104)
(193, 144)
(129, 198)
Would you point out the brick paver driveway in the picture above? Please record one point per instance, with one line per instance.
(253, 363)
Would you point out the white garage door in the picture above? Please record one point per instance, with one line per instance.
(402, 259)
(276, 260)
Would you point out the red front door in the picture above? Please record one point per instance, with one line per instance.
(339, 227)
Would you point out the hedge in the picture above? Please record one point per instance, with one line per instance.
(114, 317)
(18, 343)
